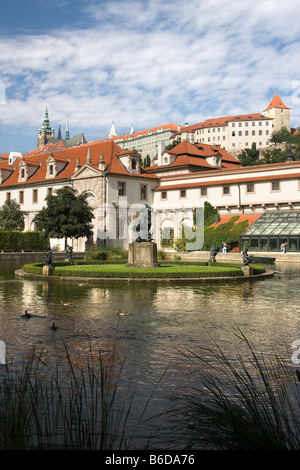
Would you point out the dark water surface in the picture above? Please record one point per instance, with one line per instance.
(164, 320)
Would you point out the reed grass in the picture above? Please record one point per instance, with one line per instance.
(63, 405)
(64, 401)
(249, 402)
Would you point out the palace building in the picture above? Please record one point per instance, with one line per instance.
(177, 184)
(235, 133)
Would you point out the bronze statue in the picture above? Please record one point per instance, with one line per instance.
(48, 257)
(247, 259)
(213, 253)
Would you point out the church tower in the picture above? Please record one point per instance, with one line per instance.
(280, 114)
(45, 132)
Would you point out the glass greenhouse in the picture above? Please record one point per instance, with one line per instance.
(271, 230)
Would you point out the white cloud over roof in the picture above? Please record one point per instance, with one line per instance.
(150, 63)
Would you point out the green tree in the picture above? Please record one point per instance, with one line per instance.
(147, 161)
(278, 137)
(274, 155)
(11, 216)
(249, 156)
(66, 215)
(209, 214)
(173, 144)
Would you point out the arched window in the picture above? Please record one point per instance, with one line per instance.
(22, 173)
(51, 170)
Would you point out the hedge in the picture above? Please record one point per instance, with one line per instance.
(212, 271)
(23, 241)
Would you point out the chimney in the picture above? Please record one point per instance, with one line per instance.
(160, 149)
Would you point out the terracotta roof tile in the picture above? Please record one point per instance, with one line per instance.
(187, 154)
(276, 102)
(70, 156)
(222, 121)
(242, 217)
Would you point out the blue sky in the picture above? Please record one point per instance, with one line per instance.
(144, 63)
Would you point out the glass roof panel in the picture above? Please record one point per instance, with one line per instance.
(275, 223)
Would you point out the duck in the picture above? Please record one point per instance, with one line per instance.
(65, 304)
(26, 314)
(119, 312)
(53, 327)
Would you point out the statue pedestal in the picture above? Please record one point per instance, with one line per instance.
(48, 270)
(247, 270)
(142, 254)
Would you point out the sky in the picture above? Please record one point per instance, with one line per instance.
(146, 63)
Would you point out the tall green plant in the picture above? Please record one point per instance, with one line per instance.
(246, 402)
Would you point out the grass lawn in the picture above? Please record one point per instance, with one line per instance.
(165, 270)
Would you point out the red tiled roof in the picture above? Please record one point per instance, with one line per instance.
(195, 154)
(222, 121)
(170, 126)
(276, 102)
(51, 146)
(250, 179)
(242, 217)
(70, 156)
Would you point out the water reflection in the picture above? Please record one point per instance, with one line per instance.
(164, 320)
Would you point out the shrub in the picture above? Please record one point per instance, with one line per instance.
(23, 241)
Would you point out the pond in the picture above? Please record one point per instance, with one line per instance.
(165, 321)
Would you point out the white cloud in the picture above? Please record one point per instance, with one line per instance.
(152, 62)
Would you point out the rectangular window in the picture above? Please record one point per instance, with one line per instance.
(49, 192)
(233, 133)
(246, 132)
(246, 123)
(121, 188)
(253, 123)
(226, 190)
(275, 186)
(253, 132)
(203, 192)
(240, 133)
(260, 123)
(8, 196)
(21, 197)
(250, 188)
(34, 196)
(260, 133)
(183, 193)
(143, 191)
(163, 195)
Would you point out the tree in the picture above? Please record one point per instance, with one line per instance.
(11, 216)
(147, 161)
(278, 137)
(173, 144)
(66, 215)
(249, 156)
(210, 214)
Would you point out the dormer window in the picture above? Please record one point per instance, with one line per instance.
(133, 165)
(51, 169)
(23, 174)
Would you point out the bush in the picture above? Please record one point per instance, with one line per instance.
(228, 232)
(23, 241)
(104, 253)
